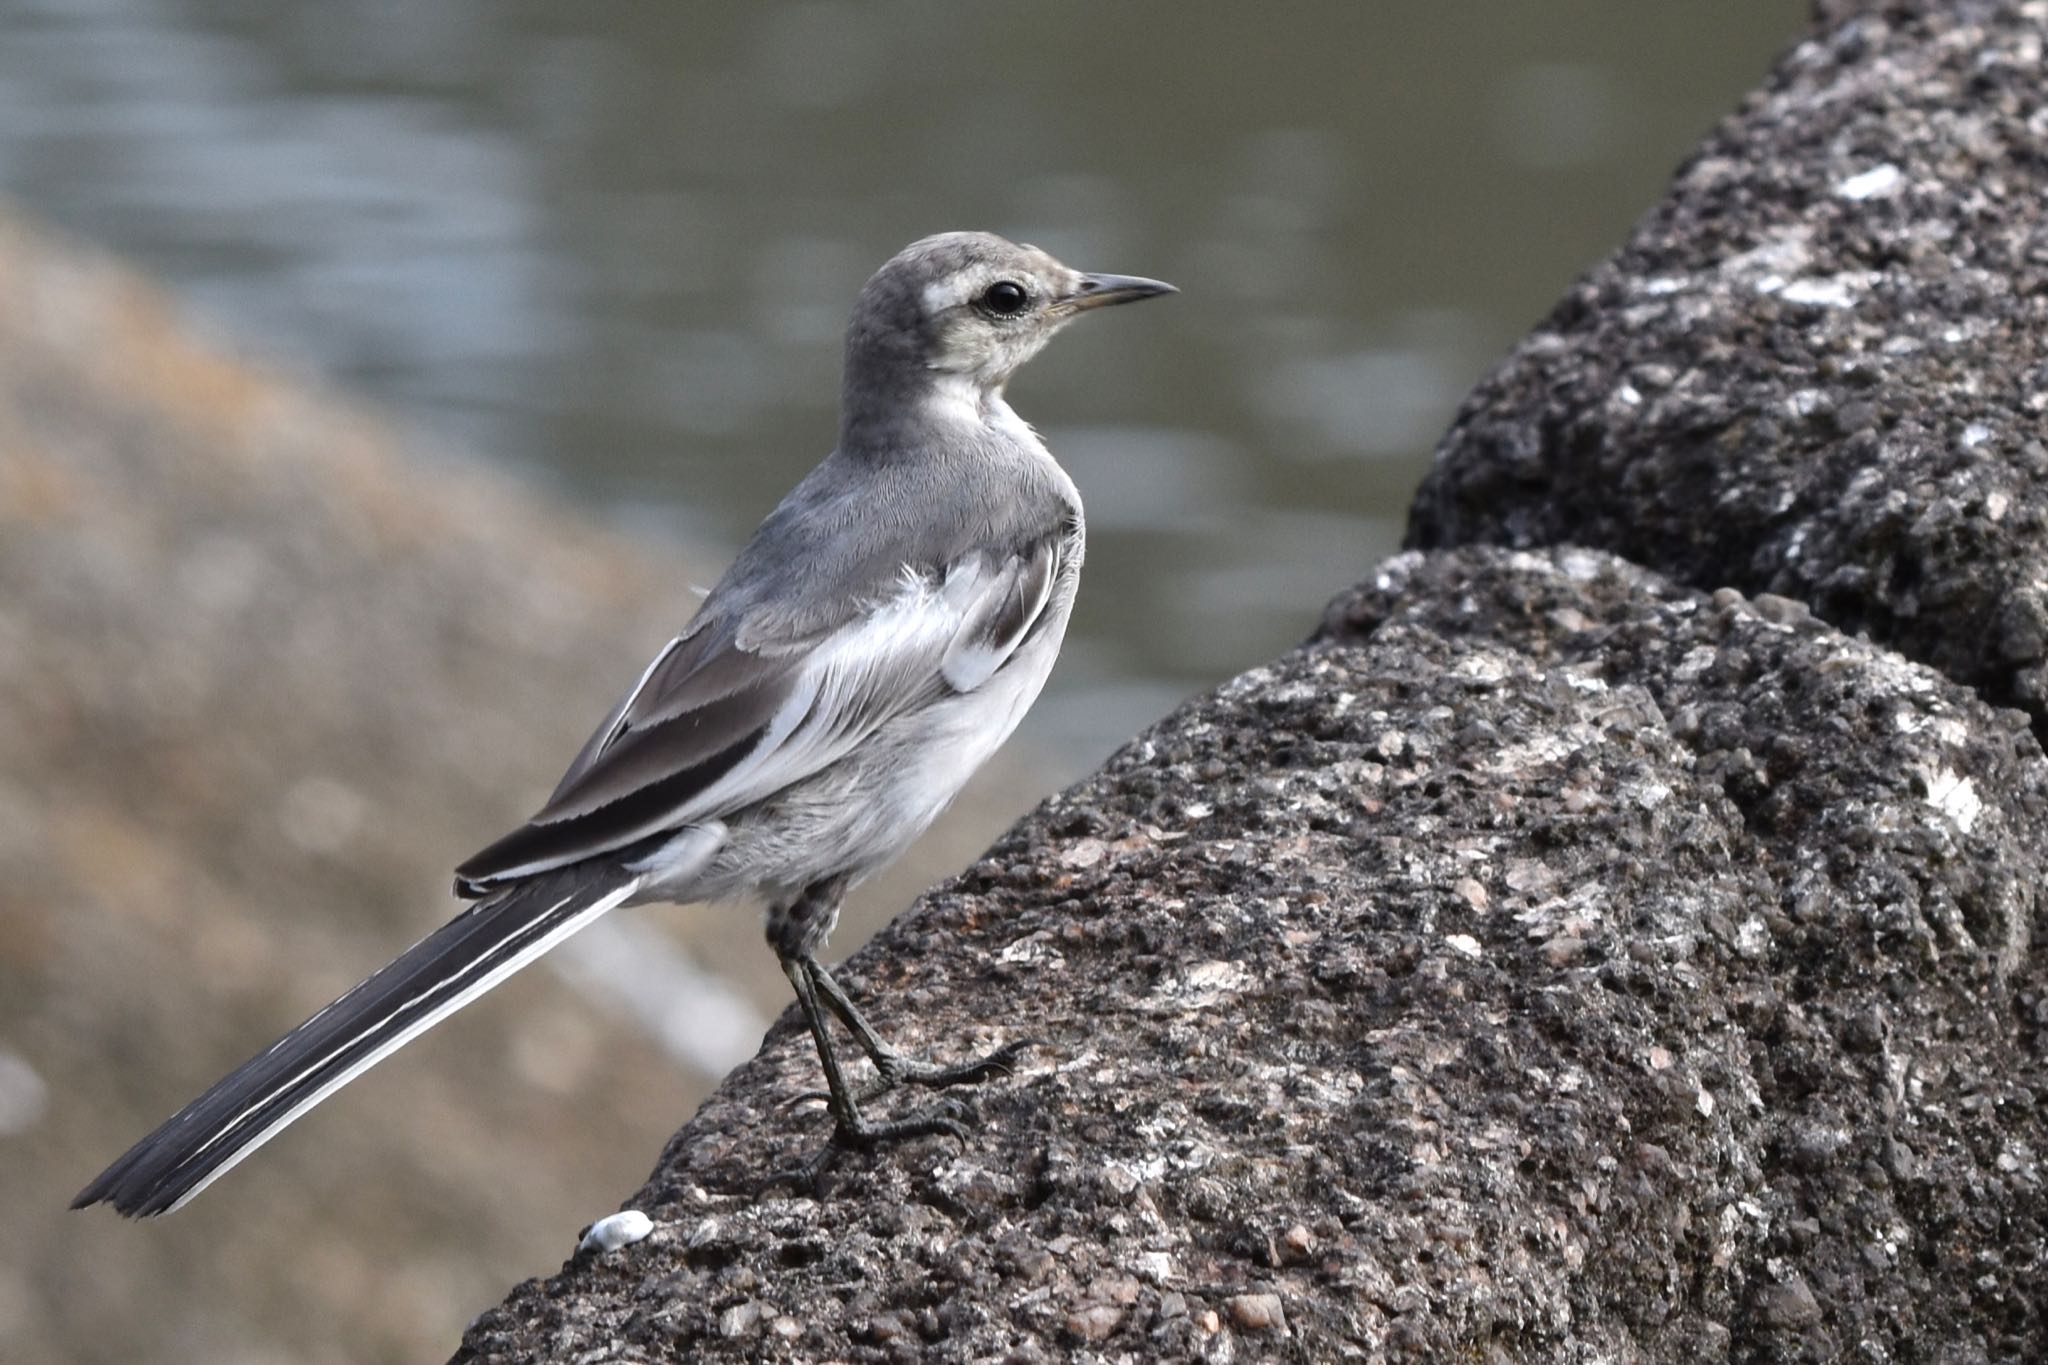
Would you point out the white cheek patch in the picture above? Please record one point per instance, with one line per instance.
(951, 292)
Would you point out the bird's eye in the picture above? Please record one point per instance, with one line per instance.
(1005, 298)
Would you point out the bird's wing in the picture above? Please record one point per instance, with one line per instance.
(732, 712)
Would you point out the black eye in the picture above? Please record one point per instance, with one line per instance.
(1005, 298)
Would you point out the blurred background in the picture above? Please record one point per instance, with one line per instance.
(272, 658)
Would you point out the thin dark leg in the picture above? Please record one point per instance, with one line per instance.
(895, 1067)
(850, 1129)
(845, 1110)
(796, 930)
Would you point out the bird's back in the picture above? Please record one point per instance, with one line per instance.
(844, 536)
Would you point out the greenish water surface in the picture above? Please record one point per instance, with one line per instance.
(613, 244)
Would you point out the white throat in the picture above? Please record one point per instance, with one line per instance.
(964, 400)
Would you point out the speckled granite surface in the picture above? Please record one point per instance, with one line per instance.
(1561, 957)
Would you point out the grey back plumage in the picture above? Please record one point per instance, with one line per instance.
(932, 474)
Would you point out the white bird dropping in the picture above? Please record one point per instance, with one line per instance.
(619, 1230)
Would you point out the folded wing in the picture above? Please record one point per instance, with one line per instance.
(726, 717)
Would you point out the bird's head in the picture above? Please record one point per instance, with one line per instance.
(958, 313)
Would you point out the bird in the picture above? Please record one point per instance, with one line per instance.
(871, 645)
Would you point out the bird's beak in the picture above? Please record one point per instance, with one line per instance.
(1099, 291)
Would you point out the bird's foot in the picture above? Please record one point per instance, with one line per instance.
(893, 1069)
(858, 1134)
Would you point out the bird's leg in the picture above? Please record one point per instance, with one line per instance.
(895, 1067)
(794, 930)
(850, 1130)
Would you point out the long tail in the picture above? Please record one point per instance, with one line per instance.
(427, 982)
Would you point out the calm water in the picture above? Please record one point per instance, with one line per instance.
(613, 244)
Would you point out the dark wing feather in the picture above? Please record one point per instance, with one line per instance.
(696, 713)
(1005, 614)
(716, 724)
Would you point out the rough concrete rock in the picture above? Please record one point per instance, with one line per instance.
(1545, 963)
(1819, 367)
(1553, 960)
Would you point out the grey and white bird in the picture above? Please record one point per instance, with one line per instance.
(877, 638)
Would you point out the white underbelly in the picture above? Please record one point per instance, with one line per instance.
(972, 727)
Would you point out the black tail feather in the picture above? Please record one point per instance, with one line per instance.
(439, 974)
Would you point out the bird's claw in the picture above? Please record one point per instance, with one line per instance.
(900, 1070)
(861, 1135)
(896, 1071)
(798, 1101)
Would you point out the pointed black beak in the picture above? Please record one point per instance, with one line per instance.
(1099, 291)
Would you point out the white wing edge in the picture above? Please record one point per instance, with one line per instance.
(857, 678)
